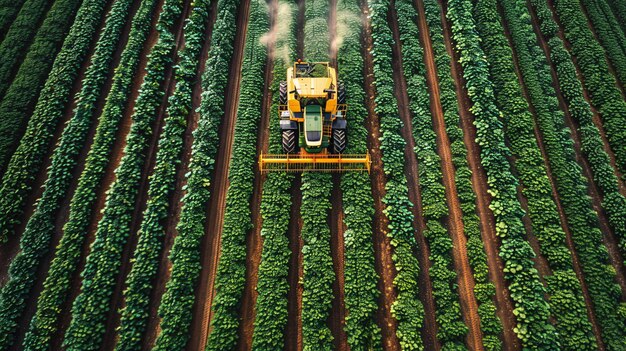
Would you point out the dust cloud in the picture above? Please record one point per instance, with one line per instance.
(346, 21)
(278, 36)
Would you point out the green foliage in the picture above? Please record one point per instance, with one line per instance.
(318, 275)
(19, 100)
(407, 309)
(483, 290)
(35, 240)
(619, 10)
(134, 315)
(361, 293)
(177, 301)
(451, 331)
(18, 38)
(597, 79)
(9, 10)
(272, 285)
(527, 292)
(573, 326)
(231, 271)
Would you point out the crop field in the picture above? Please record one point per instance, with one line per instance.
(134, 215)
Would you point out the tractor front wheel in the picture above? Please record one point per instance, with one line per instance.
(282, 91)
(290, 139)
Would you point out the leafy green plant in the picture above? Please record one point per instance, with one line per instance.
(527, 292)
(9, 10)
(177, 301)
(407, 309)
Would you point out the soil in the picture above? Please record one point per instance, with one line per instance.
(254, 241)
(175, 205)
(293, 332)
(211, 243)
(479, 184)
(466, 281)
(382, 243)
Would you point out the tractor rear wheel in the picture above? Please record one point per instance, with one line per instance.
(290, 141)
(338, 141)
(282, 90)
(341, 93)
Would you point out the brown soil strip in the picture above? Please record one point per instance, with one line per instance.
(429, 330)
(164, 269)
(382, 243)
(461, 262)
(211, 243)
(254, 241)
(568, 235)
(609, 239)
(293, 331)
(479, 184)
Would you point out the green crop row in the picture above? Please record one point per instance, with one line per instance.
(619, 10)
(407, 309)
(569, 182)
(318, 275)
(231, 271)
(361, 293)
(527, 292)
(28, 158)
(609, 34)
(20, 98)
(272, 285)
(484, 290)
(9, 9)
(18, 39)
(68, 252)
(563, 285)
(597, 79)
(177, 301)
(613, 203)
(451, 330)
(35, 240)
(145, 262)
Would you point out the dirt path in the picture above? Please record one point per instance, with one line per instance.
(254, 240)
(562, 216)
(337, 319)
(479, 183)
(461, 262)
(609, 238)
(429, 330)
(211, 243)
(293, 331)
(174, 207)
(382, 243)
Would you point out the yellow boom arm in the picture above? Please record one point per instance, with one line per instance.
(315, 163)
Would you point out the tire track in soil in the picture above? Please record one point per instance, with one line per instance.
(608, 236)
(168, 85)
(382, 243)
(8, 252)
(555, 196)
(211, 243)
(503, 301)
(465, 279)
(293, 331)
(175, 205)
(9, 249)
(116, 155)
(254, 241)
(337, 318)
(429, 330)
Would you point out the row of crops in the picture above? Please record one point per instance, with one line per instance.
(115, 142)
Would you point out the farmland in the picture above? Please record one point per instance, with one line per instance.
(134, 215)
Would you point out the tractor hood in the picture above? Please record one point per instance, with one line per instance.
(312, 87)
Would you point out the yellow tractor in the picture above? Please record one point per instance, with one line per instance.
(312, 111)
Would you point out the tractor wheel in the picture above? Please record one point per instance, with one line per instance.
(341, 93)
(290, 141)
(282, 98)
(338, 141)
